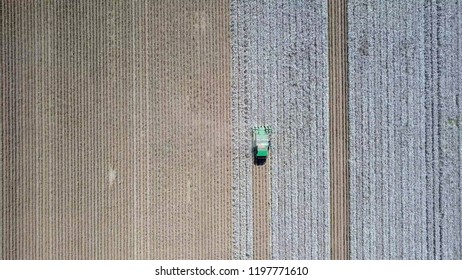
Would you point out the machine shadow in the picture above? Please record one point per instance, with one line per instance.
(259, 161)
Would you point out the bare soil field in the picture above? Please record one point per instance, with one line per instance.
(116, 130)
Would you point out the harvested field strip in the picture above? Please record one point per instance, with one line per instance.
(405, 136)
(261, 213)
(280, 76)
(116, 130)
(338, 109)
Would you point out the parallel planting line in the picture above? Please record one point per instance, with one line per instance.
(338, 128)
(261, 213)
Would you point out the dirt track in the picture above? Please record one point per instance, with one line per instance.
(261, 210)
(338, 110)
(117, 143)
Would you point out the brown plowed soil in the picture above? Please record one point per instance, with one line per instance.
(338, 101)
(116, 130)
(261, 210)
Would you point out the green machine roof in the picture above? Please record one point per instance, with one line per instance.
(261, 142)
(262, 153)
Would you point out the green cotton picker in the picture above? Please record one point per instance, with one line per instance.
(261, 142)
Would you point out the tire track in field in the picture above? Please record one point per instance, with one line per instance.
(261, 210)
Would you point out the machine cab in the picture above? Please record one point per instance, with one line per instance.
(261, 142)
